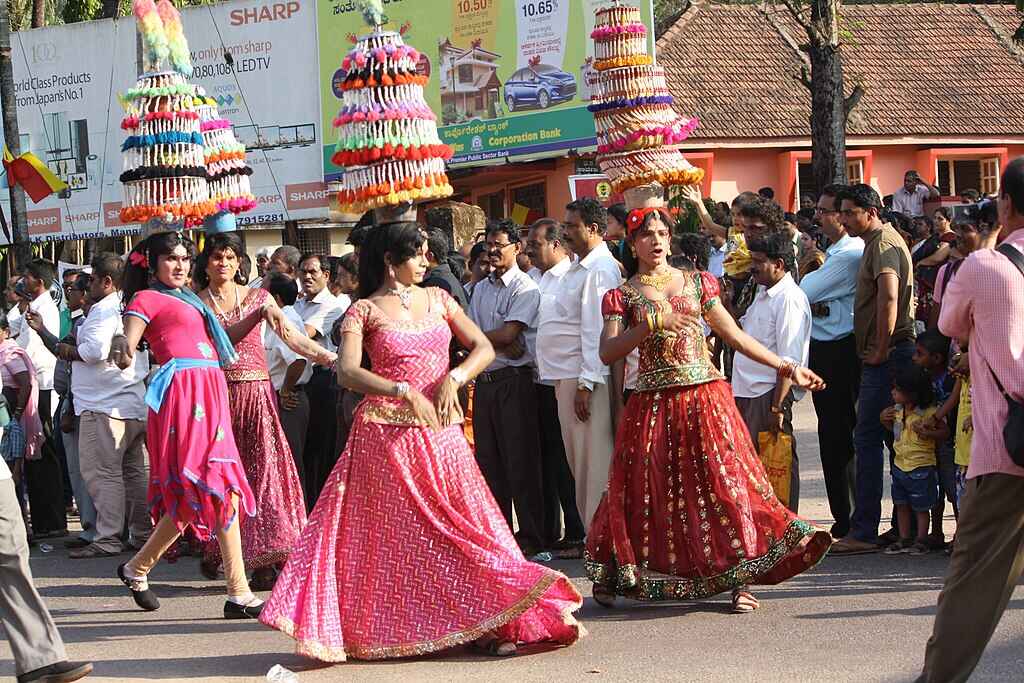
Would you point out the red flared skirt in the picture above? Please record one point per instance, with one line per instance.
(689, 511)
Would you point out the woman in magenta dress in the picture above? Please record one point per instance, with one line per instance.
(196, 478)
(406, 551)
(689, 511)
(270, 469)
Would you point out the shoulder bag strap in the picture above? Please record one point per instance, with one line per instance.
(1017, 260)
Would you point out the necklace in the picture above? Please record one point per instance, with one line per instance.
(404, 295)
(656, 280)
(238, 304)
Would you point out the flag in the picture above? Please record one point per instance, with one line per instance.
(32, 174)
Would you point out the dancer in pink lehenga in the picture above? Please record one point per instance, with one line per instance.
(270, 468)
(406, 551)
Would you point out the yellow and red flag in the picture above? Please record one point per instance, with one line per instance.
(32, 174)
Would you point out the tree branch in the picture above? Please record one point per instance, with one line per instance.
(850, 102)
(804, 79)
(798, 15)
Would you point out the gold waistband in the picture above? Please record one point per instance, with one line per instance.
(245, 375)
(392, 414)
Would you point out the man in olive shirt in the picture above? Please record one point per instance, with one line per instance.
(883, 324)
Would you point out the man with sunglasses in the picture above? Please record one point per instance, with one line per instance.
(831, 290)
(505, 426)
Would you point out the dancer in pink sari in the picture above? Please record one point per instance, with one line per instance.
(406, 551)
(263, 447)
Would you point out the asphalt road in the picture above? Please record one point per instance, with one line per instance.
(850, 619)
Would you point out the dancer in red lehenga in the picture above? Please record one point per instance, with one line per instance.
(263, 448)
(689, 512)
(406, 551)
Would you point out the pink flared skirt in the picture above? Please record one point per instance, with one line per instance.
(406, 553)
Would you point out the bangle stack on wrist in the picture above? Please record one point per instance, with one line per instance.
(787, 370)
(458, 375)
(401, 389)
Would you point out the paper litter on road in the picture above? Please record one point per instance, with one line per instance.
(279, 674)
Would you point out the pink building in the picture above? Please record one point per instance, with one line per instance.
(944, 94)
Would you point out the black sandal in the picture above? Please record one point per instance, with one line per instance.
(603, 597)
(494, 646)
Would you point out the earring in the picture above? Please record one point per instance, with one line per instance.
(391, 273)
(632, 250)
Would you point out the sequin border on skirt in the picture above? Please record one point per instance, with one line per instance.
(632, 582)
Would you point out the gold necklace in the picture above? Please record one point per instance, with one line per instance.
(656, 280)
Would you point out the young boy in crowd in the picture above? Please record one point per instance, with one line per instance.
(915, 478)
(932, 355)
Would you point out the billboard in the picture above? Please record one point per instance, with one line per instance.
(68, 78)
(508, 78)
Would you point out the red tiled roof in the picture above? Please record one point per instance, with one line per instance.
(928, 70)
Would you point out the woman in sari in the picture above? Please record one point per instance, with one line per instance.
(406, 551)
(689, 511)
(270, 468)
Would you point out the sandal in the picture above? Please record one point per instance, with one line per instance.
(743, 601)
(919, 548)
(898, 548)
(492, 645)
(604, 597)
(210, 570)
(263, 579)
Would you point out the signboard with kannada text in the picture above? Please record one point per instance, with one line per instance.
(508, 78)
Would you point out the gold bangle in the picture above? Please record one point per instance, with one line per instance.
(650, 321)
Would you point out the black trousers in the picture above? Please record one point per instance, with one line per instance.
(320, 452)
(505, 431)
(559, 485)
(837, 363)
(45, 478)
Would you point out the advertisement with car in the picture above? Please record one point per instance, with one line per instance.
(508, 78)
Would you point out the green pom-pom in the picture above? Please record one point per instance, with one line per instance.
(373, 12)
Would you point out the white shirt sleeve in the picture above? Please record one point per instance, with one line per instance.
(95, 336)
(596, 285)
(793, 328)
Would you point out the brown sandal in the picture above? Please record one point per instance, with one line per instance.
(743, 601)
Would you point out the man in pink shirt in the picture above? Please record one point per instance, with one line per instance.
(984, 305)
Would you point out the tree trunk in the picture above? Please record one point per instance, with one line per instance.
(110, 9)
(8, 101)
(38, 13)
(828, 116)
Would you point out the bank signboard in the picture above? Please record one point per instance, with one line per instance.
(508, 78)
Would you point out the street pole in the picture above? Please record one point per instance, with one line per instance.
(9, 103)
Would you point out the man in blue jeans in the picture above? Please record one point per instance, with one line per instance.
(883, 324)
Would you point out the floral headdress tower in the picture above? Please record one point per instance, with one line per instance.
(165, 176)
(387, 135)
(226, 169)
(637, 128)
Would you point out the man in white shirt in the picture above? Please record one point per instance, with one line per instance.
(289, 372)
(318, 310)
(571, 337)
(262, 266)
(505, 430)
(550, 257)
(111, 407)
(45, 476)
(779, 318)
(719, 250)
(909, 199)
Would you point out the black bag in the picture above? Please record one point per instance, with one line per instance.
(1013, 430)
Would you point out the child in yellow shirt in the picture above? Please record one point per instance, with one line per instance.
(915, 477)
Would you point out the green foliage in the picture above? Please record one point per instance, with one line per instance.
(81, 10)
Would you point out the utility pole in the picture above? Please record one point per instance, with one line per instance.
(9, 103)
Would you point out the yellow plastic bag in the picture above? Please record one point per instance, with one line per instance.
(776, 451)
